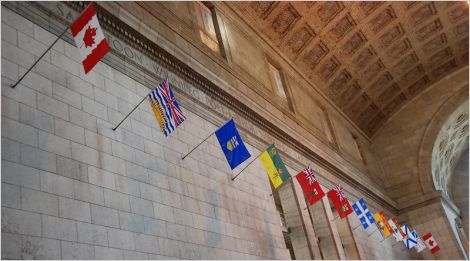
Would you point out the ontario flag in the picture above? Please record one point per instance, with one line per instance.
(340, 201)
(310, 185)
(89, 38)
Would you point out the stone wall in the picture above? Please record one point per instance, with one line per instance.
(73, 188)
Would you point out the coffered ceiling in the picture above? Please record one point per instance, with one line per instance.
(369, 58)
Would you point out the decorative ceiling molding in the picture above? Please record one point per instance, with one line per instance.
(416, 44)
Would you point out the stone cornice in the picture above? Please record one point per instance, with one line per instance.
(220, 102)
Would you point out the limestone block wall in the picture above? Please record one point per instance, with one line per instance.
(73, 188)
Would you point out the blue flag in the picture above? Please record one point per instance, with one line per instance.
(363, 213)
(232, 145)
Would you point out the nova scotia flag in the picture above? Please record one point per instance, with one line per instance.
(363, 213)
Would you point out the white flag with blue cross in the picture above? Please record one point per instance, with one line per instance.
(363, 213)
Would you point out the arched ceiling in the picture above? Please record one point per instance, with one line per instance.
(369, 58)
(451, 141)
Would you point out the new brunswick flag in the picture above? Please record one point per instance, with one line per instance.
(274, 166)
(383, 224)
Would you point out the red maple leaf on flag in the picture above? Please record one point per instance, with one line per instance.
(89, 36)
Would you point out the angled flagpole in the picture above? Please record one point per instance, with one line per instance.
(198, 145)
(49, 48)
(40, 57)
(204, 140)
(377, 229)
(143, 99)
(247, 165)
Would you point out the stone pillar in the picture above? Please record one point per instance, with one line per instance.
(295, 222)
(348, 241)
(323, 231)
(333, 228)
(308, 225)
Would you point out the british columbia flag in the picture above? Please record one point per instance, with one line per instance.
(168, 113)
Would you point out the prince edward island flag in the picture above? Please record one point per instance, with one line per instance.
(231, 144)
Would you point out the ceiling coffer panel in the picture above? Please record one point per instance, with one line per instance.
(370, 58)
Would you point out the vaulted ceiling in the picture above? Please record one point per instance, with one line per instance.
(369, 58)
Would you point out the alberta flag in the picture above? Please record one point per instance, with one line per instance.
(89, 38)
(363, 213)
(232, 144)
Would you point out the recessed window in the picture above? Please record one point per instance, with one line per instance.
(209, 32)
(278, 82)
(359, 150)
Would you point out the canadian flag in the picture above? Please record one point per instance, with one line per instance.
(431, 243)
(89, 38)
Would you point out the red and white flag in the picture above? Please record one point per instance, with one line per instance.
(431, 243)
(310, 185)
(340, 201)
(89, 38)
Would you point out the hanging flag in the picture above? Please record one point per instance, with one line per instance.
(232, 144)
(274, 166)
(420, 246)
(383, 225)
(310, 185)
(166, 108)
(397, 231)
(363, 213)
(431, 243)
(89, 38)
(409, 241)
(340, 202)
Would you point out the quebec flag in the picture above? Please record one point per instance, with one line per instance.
(232, 144)
(363, 213)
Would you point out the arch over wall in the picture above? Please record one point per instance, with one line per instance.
(404, 148)
(403, 143)
(430, 136)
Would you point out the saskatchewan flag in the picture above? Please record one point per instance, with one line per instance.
(274, 166)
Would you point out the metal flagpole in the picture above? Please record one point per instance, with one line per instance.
(40, 57)
(357, 227)
(284, 182)
(373, 232)
(204, 140)
(247, 165)
(145, 97)
(198, 145)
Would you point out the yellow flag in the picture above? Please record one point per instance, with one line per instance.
(381, 221)
(271, 169)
